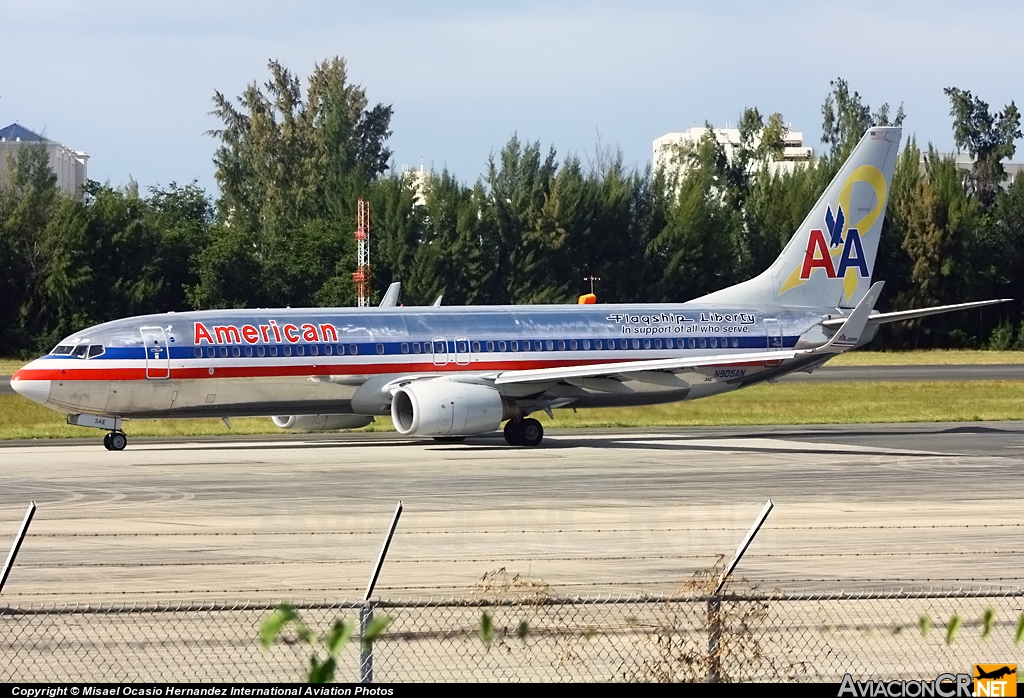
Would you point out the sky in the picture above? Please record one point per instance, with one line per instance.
(130, 81)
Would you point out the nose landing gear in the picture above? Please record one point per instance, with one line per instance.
(523, 432)
(115, 441)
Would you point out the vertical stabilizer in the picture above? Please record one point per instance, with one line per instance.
(829, 260)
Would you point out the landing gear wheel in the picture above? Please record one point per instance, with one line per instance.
(514, 432)
(531, 433)
(106, 441)
(117, 441)
(449, 439)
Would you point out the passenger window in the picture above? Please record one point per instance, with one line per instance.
(300, 350)
(526, 345)
(647, 344)
(692, 343)
(463, 346)
(287, 351)
(380, 348)
(598, 344)
(235, 352)
(669, 344)
(714, 343)
(328, 350)
(211, 352)
(313, 350)
(703, 343)
(223, 352)
(636, 343)
(476, 346)
(416, 348)
(735, 343)
(501, 346)
(561, 345)
(550, 345)
(657, 344)
(405, 347)
(341, 350)
(353, 349)
(514, 345)
(439, 347)
(260, 351)
(490, 346)
(586, 343)
(623, 344)
(198, 353)
(573, 345)
(273, 351)
(248, 351)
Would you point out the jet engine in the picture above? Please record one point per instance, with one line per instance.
(322, 422)
(448, 408)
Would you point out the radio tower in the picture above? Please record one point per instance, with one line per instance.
(362, 273)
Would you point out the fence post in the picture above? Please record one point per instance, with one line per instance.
(366, 610)
(17, 544)
(716, 618)
(365, 648)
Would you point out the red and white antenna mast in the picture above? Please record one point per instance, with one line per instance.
(362, 273)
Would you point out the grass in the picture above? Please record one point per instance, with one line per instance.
(926, 357)
(793, 403)
(9, 366)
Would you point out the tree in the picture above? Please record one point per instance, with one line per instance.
(987, 137)
(290, 173)
(845, 118)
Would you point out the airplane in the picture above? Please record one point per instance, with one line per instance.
(451, 372)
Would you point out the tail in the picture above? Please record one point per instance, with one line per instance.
(829, 260)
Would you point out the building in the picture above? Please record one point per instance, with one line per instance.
(69, 165)
(666, 147)
(965, 162)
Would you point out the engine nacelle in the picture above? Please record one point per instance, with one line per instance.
(322, 422)
(448, 408)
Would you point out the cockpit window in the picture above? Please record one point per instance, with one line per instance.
(62, 349)
(80, 350)
(95, 350)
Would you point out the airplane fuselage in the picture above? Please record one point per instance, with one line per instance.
(232, 363)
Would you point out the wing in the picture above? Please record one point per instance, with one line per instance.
(845, 338)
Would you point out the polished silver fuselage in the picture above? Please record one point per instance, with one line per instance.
(226, 363)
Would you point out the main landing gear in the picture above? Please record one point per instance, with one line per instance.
(115, 441)
(523, 432)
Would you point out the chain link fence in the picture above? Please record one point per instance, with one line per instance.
(533, 637)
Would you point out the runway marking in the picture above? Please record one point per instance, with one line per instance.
(760, 444)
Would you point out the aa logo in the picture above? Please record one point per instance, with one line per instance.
(995, 679)
(819, 249)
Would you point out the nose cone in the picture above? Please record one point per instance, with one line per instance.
(37, 391)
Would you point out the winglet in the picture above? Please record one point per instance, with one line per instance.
(847, 336)
(390, 299)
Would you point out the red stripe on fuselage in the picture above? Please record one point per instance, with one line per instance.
(250, 371)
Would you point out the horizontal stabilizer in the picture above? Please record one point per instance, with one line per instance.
(882, 318)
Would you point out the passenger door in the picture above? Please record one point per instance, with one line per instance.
(158, 355)
(773, 333)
